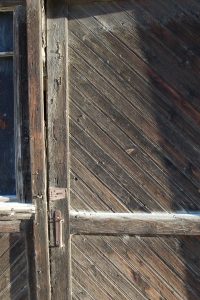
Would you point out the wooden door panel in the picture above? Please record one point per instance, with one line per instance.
(134, 129)
(134, 146)
(135, 268)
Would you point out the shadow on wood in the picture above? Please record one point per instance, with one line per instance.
(134, 109)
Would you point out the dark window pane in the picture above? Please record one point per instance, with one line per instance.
(6, 31)
(7, 147)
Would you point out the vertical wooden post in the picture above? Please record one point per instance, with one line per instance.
(58, 143)
(37, 147)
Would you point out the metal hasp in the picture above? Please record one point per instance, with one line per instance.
(57, 193)
(58, 226)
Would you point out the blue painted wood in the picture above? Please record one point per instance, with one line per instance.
(7, 147)
(6, 31)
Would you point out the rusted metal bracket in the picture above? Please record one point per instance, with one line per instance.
(56, 193)
(58, 221)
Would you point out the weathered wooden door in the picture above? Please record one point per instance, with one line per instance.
(123, 138)
(24, 244)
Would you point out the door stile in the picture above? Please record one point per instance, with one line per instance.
(58, 147)
(37, 147)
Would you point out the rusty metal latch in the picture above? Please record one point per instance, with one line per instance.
(58, 221)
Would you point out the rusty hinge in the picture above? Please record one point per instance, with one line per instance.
(57, 221)
(57, 193)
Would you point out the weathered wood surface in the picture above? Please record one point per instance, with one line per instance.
(16, 211)
(105, 223)
(131, 269)
(13, 271)
(37, 147)
(9, 226)
(126, 127)
(58, 144)
(134, 113)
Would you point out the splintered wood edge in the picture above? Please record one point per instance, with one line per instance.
(145, 224)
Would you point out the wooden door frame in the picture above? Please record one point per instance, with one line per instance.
(58, 145)
(38, 149)
(14, 215)
(87, 223)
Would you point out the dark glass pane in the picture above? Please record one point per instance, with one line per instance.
(6, 31)
(7, 147)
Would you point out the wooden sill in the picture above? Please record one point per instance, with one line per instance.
(6, 54)
(8, 198)
(13, 215)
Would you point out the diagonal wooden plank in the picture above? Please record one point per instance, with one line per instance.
(129, 72)
(146, 128)
(81, 276)
(168, 134)
(129, 56)
(79, 292)
(124, 31)
(97, 186)
(140, 251)
(137, 154)
(95, 273)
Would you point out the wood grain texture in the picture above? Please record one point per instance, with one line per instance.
(58, 143)
(13, 273)
(16, 211)
(37, 146)
(106, 107)
(10, 226)
(134, 143)
(106, 223)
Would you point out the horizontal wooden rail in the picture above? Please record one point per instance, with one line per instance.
(16, 211)
(94, 223)
(13, 214)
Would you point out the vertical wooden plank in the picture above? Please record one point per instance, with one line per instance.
(58, 140)
(31, 268)
(37, 146)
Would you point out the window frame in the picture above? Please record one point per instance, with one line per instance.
(21, 110)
